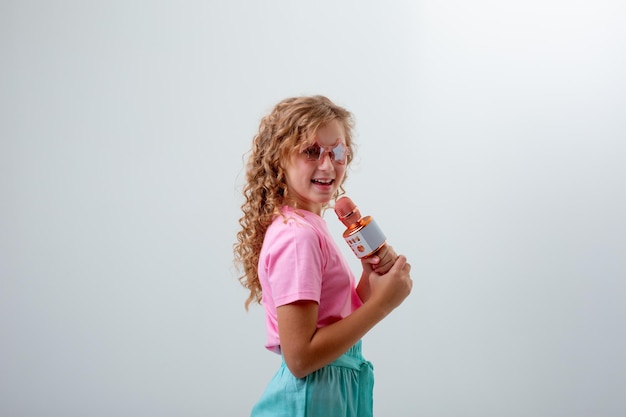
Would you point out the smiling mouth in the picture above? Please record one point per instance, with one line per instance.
(322, 182)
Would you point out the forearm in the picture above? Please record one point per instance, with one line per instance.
(330, 342)
(363, 289)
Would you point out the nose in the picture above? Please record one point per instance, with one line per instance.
(326, 162)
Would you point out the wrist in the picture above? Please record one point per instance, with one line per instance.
(377, 308)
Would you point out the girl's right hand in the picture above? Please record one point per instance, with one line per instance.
(391, 289)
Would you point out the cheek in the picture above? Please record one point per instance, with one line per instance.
(296, 172)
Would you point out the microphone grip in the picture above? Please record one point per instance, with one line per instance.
(365, 238)
(363, 234)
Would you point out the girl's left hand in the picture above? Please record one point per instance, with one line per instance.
(382, 261)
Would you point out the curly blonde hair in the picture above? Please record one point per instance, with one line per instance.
(287, 129)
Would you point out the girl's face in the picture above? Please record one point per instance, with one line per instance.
(311, 182)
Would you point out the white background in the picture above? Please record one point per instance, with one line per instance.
(491, 150)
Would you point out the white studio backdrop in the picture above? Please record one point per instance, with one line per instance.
(491, 150)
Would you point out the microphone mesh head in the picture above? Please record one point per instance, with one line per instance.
(344, 206)
(346, 211)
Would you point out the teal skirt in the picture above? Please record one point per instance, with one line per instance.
(342, 388)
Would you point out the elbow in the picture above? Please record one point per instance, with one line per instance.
(298, 368)
(300, 374)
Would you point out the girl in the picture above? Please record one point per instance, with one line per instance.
(315, 314)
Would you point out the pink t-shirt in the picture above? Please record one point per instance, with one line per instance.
(300, 260)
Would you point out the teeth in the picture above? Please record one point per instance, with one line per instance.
(325, 182)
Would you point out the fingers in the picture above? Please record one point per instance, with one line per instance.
(374, 260)
(400, 263)
(403, 268)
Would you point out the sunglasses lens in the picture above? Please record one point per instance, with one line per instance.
(340, 153)
(313, 152)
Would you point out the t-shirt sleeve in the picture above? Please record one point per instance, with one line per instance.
(294, 263)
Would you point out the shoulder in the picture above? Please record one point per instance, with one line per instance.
(292, 225)
(293, 243)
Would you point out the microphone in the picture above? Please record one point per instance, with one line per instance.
(363, 234)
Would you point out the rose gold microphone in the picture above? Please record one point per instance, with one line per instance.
(363, 234)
